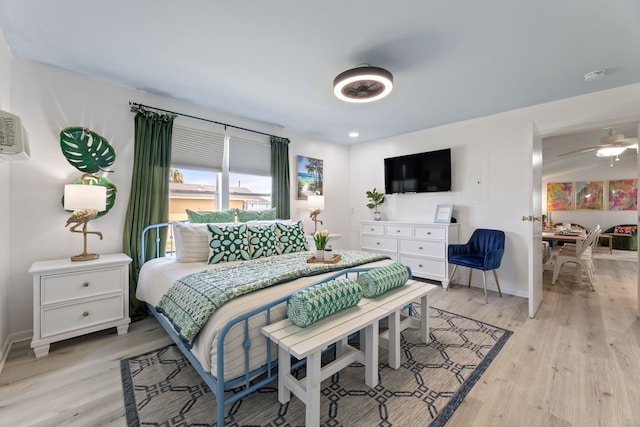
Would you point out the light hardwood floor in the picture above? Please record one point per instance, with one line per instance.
(576, 364)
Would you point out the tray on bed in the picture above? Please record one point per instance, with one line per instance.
(335, 258)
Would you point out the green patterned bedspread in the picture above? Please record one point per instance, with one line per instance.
(191, 300)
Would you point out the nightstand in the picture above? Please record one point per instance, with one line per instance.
(77, 298)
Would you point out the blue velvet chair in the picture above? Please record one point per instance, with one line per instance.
(483, 251)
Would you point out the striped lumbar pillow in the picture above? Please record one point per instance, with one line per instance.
(379, 280)
(315, 302)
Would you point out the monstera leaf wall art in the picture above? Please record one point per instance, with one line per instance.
(89, 152)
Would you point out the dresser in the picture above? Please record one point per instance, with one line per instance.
(77, 298)
(422, 246)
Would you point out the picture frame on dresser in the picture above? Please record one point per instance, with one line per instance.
(443, 214)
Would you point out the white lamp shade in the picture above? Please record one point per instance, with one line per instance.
(315, 202)
(79, 196)
(610, 151)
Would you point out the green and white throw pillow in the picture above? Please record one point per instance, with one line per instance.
(379, 280)
(264, 215)
(311, 304)
(199, 217)
(228, 243)
(291, 238)
(262, 240)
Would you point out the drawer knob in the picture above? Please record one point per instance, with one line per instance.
(85, 314)
(85, 285)
(372, 229)
(420, 247)
(419, 265)
(428, 232)
(377, 243)
(397, 231)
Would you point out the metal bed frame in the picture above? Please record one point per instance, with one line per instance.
(217, 382)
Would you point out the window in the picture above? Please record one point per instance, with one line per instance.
(211, 170)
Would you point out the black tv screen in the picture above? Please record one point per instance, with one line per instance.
(418, 173)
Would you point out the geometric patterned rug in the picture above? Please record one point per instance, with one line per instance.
(161, 388)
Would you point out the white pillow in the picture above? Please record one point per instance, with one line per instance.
(192, 242)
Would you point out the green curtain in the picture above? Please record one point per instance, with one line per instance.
(280, 181)
(149, 199)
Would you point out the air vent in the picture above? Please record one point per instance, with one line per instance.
(13, 144)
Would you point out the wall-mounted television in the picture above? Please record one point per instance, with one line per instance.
(418, 173)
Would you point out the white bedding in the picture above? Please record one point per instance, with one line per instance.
(157, 275)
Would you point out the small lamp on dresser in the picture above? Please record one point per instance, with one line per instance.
(86, 200)
(316, 205)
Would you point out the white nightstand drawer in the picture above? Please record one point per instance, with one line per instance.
(422, 248)
(372, 229)
(72, 286)
(64, 318)
(399, 230)
(430, 233)
(379, 243)
(423, 266)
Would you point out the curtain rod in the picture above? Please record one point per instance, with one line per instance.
(135, 104)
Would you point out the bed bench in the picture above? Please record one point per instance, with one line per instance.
(309, 343)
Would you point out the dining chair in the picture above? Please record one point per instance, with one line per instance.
(483, 251)
(570, 248)
(581, 255)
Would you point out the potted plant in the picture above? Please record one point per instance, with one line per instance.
(375, 200)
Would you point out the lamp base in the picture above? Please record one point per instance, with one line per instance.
(85, 257)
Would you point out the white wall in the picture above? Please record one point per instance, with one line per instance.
(624, 169)
(491, 163)
(50, 99)
(5, 93)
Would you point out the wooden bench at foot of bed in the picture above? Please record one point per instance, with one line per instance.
(309, 343)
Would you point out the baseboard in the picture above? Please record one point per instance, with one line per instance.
(12, 339)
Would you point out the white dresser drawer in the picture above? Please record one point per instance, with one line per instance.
(399, 230)
(433, 249)
(71, 286)
(372, 229)
(430, 233)
(421, 267)
(379, 243)
(63, 318)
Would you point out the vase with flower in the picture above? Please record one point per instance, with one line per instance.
(321, 238)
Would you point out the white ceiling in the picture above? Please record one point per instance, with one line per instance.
(275, 61)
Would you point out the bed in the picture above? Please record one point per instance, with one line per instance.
(229, 352)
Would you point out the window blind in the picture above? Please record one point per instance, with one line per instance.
(249, 157)
(197, 149)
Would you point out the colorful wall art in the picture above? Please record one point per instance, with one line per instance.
(590, 195)
(623, 195)
(560, 196)
(310, 177)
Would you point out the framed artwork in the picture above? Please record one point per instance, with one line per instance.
(443, 214)
(310, 175)
(623, 195)
(559, 196)
(590, 195)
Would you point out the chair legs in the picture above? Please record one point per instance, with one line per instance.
(453, 273)
(484, 279)
(495, 275)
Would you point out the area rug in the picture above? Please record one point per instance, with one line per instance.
(162, 389)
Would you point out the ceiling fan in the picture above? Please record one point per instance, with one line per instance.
(611, 145)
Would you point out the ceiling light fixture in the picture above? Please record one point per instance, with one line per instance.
(610, 151)
(363, 84)
(354, 134)
(594, 75)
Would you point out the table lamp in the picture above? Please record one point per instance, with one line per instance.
(86, 201)
(315, 204)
